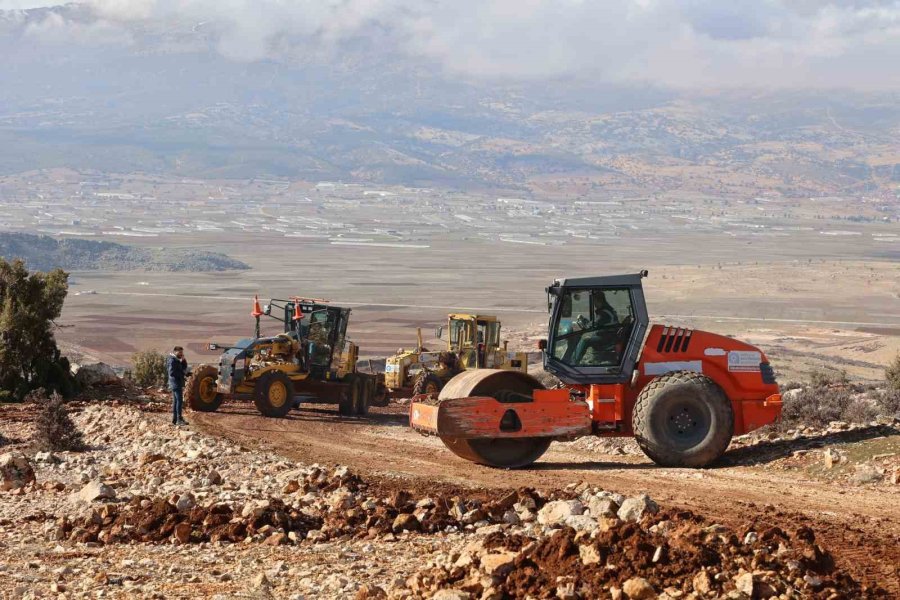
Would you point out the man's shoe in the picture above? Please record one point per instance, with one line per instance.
(182, 422)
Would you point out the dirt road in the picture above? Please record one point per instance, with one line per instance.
(860, 525)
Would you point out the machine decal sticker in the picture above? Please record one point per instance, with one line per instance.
(390, 368)
(714, 352)
(660, 368)
(743, 360)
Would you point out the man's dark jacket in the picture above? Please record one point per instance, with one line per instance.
(177, 370)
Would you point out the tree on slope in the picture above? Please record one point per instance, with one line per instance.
(29, 305)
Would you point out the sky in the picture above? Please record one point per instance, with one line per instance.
(675, 43)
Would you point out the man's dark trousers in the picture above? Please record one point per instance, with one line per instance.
(177, 401)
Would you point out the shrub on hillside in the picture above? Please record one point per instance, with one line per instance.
(818, 406)
(149, 369)
(888, 402)
(54, 430)
(824, 399)
(892, 375)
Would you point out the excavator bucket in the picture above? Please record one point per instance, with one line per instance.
(500, 418)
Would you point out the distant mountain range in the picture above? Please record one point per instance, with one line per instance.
(167, 102)
(43, 253)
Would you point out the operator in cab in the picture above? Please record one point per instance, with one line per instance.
(592, 347)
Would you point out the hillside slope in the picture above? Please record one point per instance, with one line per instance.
(42, 253)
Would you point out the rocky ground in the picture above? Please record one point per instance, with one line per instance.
(150, 510)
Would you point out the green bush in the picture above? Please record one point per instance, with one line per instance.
(29, 357)
(888, 403)
(892, 374)
(822, 378)
(149, 368)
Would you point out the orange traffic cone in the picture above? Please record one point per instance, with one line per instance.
(257, 311)
(298, 312)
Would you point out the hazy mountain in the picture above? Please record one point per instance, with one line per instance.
(161, 96)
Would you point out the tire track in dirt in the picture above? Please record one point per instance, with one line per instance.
(860, 526)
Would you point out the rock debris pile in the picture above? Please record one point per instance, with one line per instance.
(153, 511)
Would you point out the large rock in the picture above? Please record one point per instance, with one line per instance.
(94, 374)
(746, 584)
(15, 471)
(95, 490)
(601, 506)
(498, 564)
(867, 474)
(451, 595)
(406, 522)
(581, 523)
(638, 588)
(556, 512)
(589, 555)
(634, 509)
(702, 583)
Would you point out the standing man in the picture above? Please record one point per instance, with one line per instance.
(177, 366)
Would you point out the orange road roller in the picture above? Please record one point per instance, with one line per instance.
(682, 393)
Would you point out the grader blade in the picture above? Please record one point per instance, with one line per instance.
(500, 418)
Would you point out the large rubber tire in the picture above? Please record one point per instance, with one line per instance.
(200, 391)
(367, 385)
(273, 394)
(382, 395)
(349, 400)
(427, 383)
(683, 419)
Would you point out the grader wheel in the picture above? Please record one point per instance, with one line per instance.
(427, 383)
(504, 453)
(367, 385)
(201, 393)
(273, 394)
(350, 399)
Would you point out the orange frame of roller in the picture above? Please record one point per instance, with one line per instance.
(682, 393)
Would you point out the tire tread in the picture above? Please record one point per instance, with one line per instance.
(641, 412)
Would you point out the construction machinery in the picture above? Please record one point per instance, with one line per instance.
(311, 360)
(682, 393)
(473, 343)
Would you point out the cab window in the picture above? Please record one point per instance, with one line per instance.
(493, 335)
(457, 332)
(593, 327)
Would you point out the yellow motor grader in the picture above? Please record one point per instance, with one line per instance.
(310, 361)
(473, 343)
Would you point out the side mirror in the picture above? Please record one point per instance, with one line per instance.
(267, 309)
(439, 331)
(542, 344)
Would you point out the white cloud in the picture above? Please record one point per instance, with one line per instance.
(54, 29)
(684, 43)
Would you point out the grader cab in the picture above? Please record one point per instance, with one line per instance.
(473, 343)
